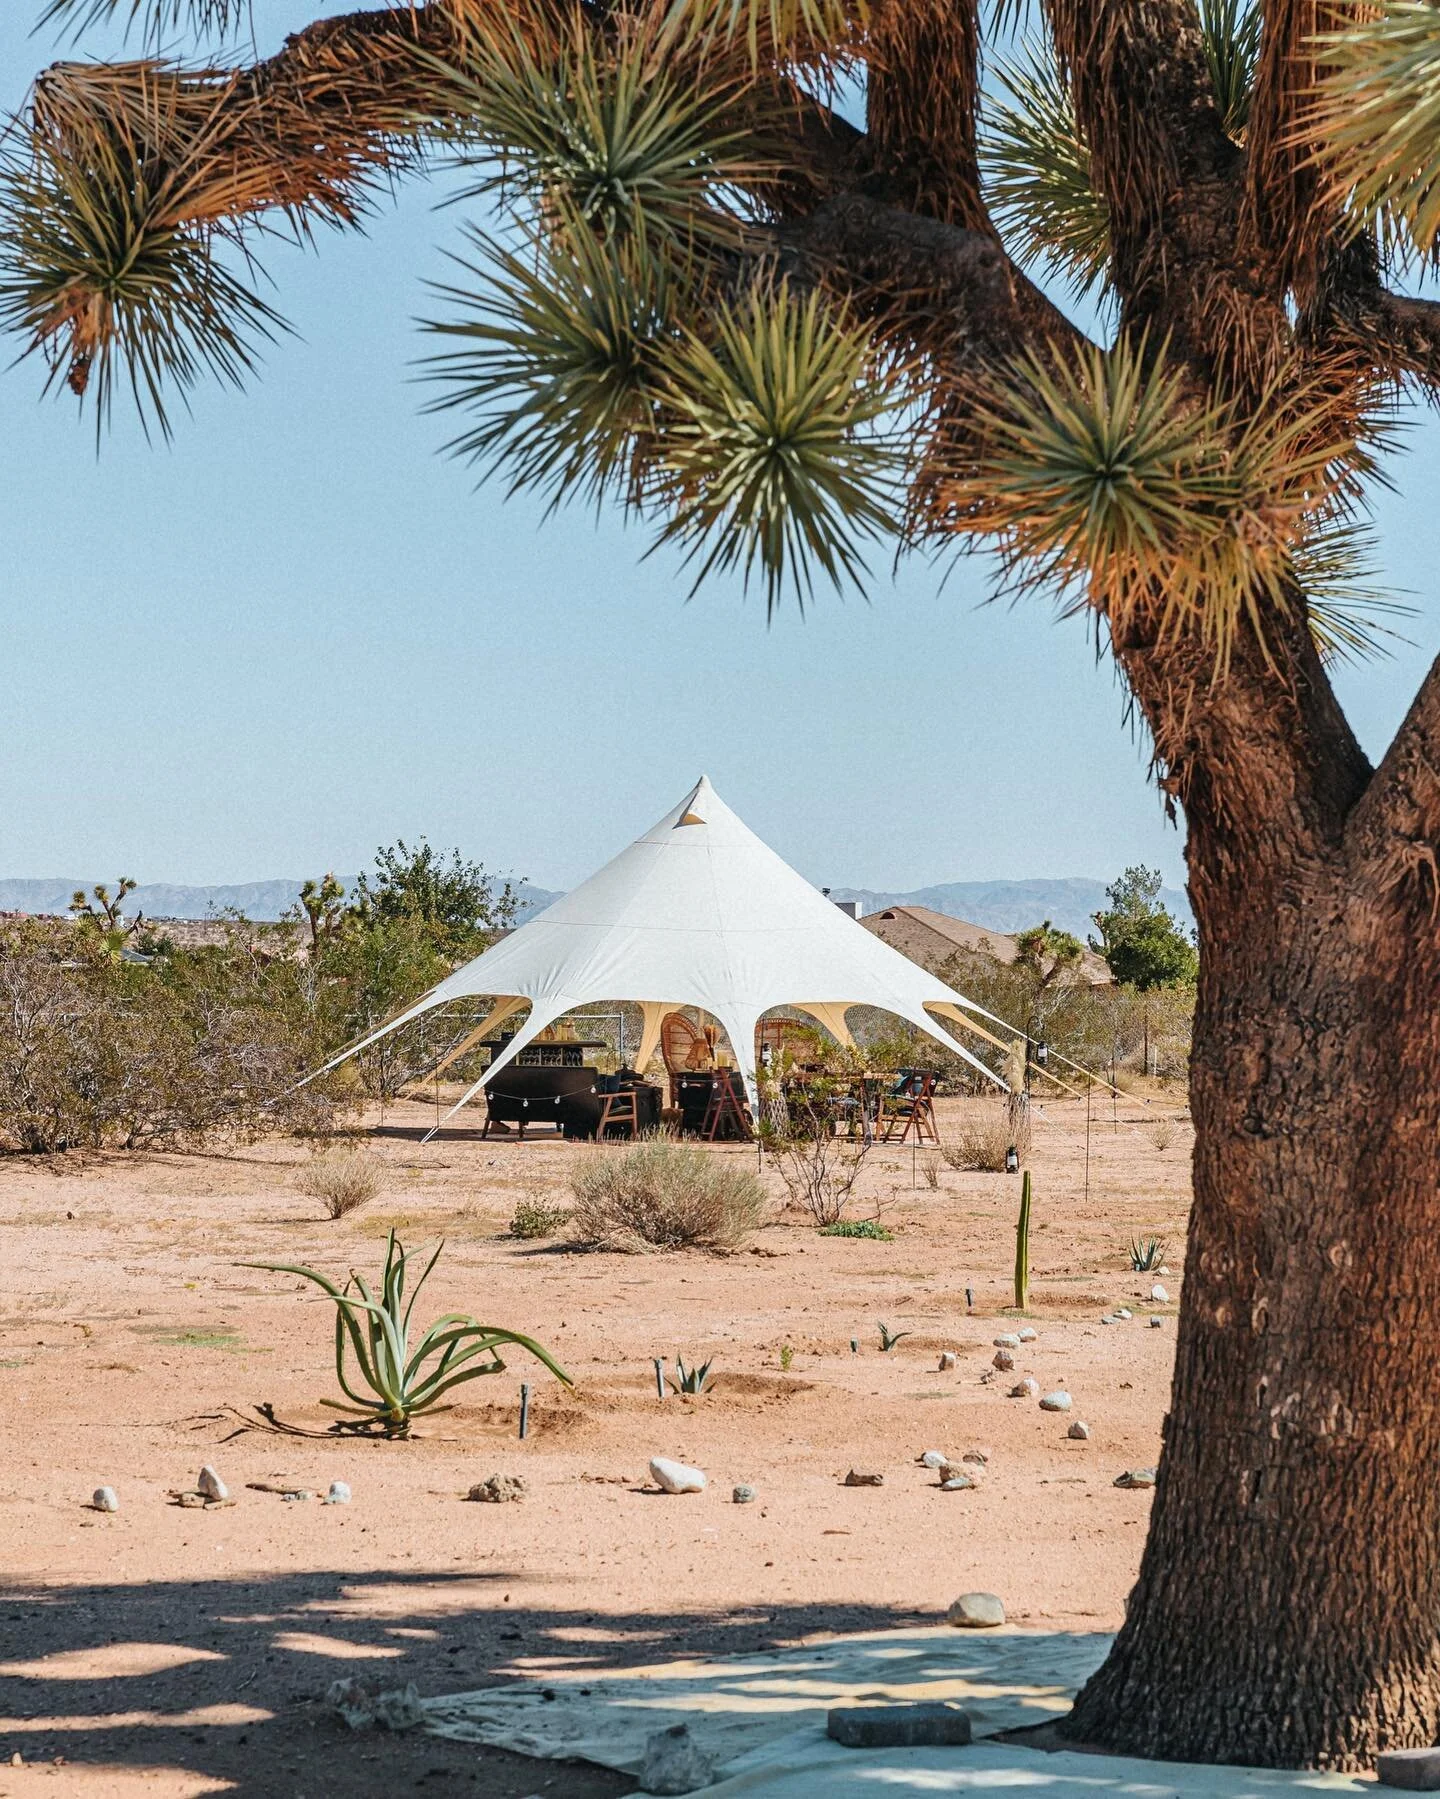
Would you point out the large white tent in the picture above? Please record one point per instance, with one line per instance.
(698, 912)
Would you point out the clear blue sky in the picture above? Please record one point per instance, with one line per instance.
(299, 631)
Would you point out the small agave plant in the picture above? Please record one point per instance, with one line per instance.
(405, 1381)
(691, 1380)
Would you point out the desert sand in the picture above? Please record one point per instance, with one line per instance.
(181, 1652)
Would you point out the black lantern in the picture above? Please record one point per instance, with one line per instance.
(1012, 1160)
(1042, 1053)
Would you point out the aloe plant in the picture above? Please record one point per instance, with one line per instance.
(405, 1382)
(691, 1380)
(889, 1338)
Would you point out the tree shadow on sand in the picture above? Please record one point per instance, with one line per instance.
(223, 1681)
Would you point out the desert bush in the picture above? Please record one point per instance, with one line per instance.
(819, 1170)
(96, 1050)
(930, 1171)
(344, 1181)
(978, 1144)
(1162, 1133)
(536, 1216)
(869, 1228)
(664, 1196)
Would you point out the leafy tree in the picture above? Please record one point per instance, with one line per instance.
(454, 901)
(1143, 942)
(776, 335)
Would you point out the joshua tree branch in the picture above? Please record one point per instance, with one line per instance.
(1394, 830)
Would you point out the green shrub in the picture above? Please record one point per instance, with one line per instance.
(665, 1196)
(979, 1143)
(535, 1217)
(870, 1228)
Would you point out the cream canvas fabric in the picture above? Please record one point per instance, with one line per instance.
(697, 912)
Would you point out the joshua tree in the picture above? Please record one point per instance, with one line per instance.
(774, 332)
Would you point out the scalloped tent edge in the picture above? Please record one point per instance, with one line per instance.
(696, 912)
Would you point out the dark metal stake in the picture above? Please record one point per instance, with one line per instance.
(854, 1346)
(659, 1377)
(524, 1410)
(969, 1299)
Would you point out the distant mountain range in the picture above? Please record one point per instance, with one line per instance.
(997, 905)
(260, 900)
(1070, 905)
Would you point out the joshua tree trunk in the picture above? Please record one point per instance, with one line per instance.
(1288, 1605)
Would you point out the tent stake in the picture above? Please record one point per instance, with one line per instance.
(524, 1410)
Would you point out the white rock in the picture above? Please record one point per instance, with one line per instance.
(956, 1482)
(976, 1611)
(1004, 1359)
(948, 1361)
(1028, 1334)
(209, 1484)
(1107, 1319)
(339, 1493)
(1058, 1401)
(1157, 1324)
(675, 1477)
(1080, 1431)
(934, 1458)
(1123, 1312)
(675, 1763)
(1007, 1340)
(1159, 1295)
(1025, 1389)
(105, 1499)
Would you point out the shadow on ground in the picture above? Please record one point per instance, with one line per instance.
(223, 1681)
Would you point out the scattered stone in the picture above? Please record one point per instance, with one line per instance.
(955, 1482)
(949, 1361)
(676, 1477)
(1004, 1359)
(339, 1493)
(856, 1479)
(363, 1706)
(1028, 1334)
(105, 1499)
(209, 1485)
(675, 1763)
(976, 1456)
(1080, 1431)
(500, 1489)
(1157, 1324)
(930, 1723)
(190, 1500)
(1007, 1340)
(1025, 1389)
(1058, 1401)
(934, 1458)
(1159, 1295)
(1416, 1770)
(1107, 1319)
(1123, 1312)
(1136, 1477)
(976, 1611)
(296, 1495)
(743, 1495)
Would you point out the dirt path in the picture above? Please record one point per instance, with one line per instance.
(185, 1652)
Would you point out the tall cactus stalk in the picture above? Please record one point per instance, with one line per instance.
(1022, 1246)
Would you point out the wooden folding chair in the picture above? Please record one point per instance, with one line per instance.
(728, 1106)
(909, 1106)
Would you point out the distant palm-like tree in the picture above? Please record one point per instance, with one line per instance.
(694, 287)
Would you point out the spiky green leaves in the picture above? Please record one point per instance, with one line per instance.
(1230, 30)
(555, 358)
(1378, 115)
(751, 429)
(776, 454)
(1105, 477)
(621, 135)
(98, 269)
(1037, 171)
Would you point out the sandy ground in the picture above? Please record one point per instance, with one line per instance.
(179, 1652)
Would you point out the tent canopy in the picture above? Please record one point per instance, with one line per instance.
(697, 912)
